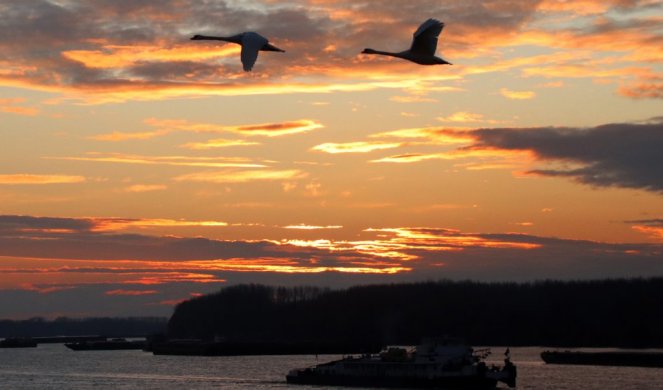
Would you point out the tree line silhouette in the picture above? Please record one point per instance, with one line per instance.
(600, 313)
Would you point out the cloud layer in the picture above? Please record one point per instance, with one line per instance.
(60, 255)
(103, 51)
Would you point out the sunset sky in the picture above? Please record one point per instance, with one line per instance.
(139, 168)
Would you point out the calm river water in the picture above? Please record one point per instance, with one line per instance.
(53, 366)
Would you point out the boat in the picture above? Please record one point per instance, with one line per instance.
(605, 358)
(67, 339)
(435, 363)
(106, 345)
(18, 342)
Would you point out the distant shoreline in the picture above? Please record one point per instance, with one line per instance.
(68, 329)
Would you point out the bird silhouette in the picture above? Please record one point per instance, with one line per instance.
(251, 44)
(424, 44)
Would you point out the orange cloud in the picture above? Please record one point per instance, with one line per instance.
(120, 224)
(312, 227)
(355, 147)
(264, 129)
(524, 224)
(462, 116)
(489, 158)
(436, 135)
(11, 106)
(652, 231)
(277, 129)
(517, 95)
(645, 88)
(145, 188)
(467, 117)
(280, 265)
(131, 292)
(120, 136)
(167, 126)
(218, 143)
(402, 244)
(188, 161)
(579, 7)
(146, 279)
(20, 178)
(118, 56)
(235, 176)
(412, 158)
(435, 238)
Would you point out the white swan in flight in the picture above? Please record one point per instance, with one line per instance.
(423, 46)
(251, 43)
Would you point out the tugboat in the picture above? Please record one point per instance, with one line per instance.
(435, 363)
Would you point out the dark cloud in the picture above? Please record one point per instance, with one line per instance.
(67, 238)
(132, 247)
(614, 155)
(17, 224)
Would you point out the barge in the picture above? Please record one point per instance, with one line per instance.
(435, 363)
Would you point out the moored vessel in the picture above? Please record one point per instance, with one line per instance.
(106, 345)
(435, 363)
(18, 342)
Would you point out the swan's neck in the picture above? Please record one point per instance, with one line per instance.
(213, 38)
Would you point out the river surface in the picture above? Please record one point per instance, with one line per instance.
(53, 366)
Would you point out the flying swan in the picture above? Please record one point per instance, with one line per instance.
(424, 43)
(251, 43)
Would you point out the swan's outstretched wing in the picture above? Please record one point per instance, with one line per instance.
(251, 44)
(425, 38)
